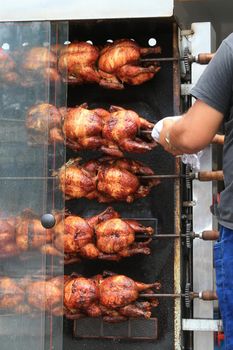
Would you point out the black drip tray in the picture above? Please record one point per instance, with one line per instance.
(139, 329)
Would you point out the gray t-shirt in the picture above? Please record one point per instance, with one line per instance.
(215, 88)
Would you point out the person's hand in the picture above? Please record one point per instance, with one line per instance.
(161, 133)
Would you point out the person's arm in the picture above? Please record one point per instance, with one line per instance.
(193, 132)
(213, 92)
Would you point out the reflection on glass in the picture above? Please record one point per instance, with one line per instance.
(28, 77)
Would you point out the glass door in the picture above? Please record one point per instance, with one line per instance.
(31, 150)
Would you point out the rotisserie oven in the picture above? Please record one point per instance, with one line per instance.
(80, 94)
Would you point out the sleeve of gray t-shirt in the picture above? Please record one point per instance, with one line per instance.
(214, 87)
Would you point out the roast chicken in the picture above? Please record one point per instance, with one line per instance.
(113, 131)
(46, 295)
(77, 63)
(116, 297)
(105, 179)
(8, 69)
(8, 245)
(38, 64)
(119, 63)
(104, 236)
(43, 122)
(11, 294)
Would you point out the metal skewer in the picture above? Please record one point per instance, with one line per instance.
(201, 176)
(207, 295)
(218, 139)
(201, 58)
(208, 235)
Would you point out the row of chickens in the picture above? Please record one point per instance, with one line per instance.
(111, 67)
(112, 131)
(104, 236)
(116, 297)
(106, 179)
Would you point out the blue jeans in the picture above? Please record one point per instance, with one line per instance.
(223, 259)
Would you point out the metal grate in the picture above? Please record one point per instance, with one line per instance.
(132, 329)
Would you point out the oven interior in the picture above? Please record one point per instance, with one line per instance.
(153, 100)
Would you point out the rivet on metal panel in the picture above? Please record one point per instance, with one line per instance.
(189, 203)
(186, 32)
(185, 89)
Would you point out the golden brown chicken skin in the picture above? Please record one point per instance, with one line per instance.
(44, 124)
(106, 179)
(39, 64)
(115, 298)
(10, 293)
(81, 297)
(47, 295)
(8, 69)
(77, 63)
(113, 132)
(8, 245)
(122, 128)
(83, 127)
(30, 234)
(119, 63)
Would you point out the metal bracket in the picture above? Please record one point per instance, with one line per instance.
(185, 89)
(203, 325)
(186, 32)
(189, 204)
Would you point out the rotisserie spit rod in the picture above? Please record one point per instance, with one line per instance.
(209, 235)
(201, 58)
(206, 295)
(201, 176)
(218, 139)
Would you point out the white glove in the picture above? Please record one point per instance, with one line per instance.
(190, 159)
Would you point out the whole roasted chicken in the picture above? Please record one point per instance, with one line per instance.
(8, 69)
(119, 63)
(38, 64)
(11, 294)
(8, 245)
(113, 131)
(121, 132)
(46, 295)
(105, 179)
(77, 63)
(43, 122)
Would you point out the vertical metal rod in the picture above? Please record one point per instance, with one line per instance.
(177, 204)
